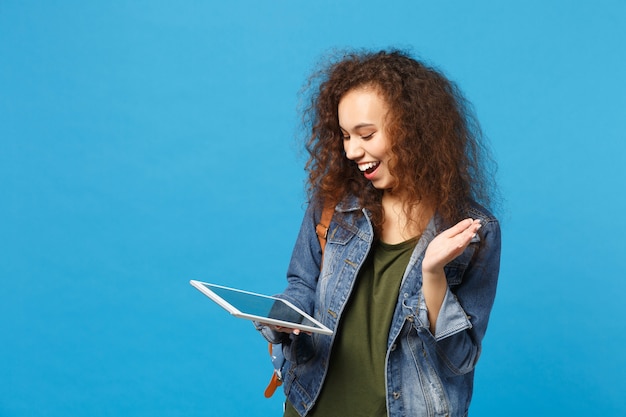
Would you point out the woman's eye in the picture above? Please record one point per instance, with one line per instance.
(368, 136)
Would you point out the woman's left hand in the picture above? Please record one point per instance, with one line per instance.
(449, 244)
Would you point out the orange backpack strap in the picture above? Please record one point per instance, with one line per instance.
(276, 380)
(322, 232)
(322, 227)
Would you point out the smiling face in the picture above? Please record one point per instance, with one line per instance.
(362, 114)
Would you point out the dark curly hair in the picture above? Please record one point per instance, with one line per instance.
(437, 148)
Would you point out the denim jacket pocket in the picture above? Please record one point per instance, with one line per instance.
(340, 234)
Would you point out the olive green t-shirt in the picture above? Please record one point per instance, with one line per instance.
(355, 384)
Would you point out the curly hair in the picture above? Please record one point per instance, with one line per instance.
(437, 148)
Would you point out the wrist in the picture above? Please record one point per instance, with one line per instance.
(431, 269)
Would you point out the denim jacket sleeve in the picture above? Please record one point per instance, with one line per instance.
(304, 267)
(302, 274)
(462, 321)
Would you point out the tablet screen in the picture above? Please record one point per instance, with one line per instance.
(260, 307)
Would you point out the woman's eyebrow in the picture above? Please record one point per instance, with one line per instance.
(359, 126)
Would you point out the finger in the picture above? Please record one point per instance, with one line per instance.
(468, 234)
(463, 237)
(459, 228)
(476, 225)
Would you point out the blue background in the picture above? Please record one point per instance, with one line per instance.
(147, 143)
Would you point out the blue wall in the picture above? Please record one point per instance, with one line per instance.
(147, 143)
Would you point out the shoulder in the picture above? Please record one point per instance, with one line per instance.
(477, 211)
(471, 210)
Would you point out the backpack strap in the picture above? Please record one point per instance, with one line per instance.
(277, 360)
(277, 357)
(322, 227)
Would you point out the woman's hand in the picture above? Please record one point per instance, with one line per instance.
(448, 245)
(283, 329)
(440, 251)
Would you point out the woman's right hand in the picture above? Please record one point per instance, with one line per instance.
(282, 329)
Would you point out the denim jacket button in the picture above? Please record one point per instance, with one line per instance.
(410, 318)
(393, 347)
(396, 395)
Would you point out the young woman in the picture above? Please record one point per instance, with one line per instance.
(411, 260)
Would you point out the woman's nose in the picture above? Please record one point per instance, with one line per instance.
(353, 149)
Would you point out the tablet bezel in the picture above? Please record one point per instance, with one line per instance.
(202, 287)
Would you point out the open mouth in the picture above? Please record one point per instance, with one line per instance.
(369, 167)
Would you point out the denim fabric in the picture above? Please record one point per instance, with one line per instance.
(427, 375)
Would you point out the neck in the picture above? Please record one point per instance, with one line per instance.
(402, 219)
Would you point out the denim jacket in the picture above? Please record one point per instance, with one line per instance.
(426, 374)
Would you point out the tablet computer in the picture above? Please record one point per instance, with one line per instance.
(261, 308)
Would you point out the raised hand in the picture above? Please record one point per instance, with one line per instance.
(449, 244)
(442, 249)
